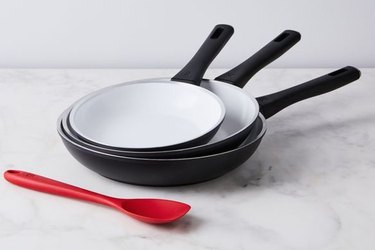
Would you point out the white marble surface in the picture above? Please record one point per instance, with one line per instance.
(310, 185)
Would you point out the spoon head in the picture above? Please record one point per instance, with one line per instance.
(156, 211)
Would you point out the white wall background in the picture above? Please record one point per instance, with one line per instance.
(166, 33)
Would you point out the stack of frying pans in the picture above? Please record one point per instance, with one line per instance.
(184, 129)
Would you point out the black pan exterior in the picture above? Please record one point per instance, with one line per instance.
(166, 172)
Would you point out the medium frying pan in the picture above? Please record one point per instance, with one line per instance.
(241, 108)
(156, 115)
(182, 171)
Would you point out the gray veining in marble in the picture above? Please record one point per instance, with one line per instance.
(310, 185)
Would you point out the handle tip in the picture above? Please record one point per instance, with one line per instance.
(11, 175)
(225, 26)
(349, 72)
(355, 71)
(292, 35)
(220, 29)
(9, 172)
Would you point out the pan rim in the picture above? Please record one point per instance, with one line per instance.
(61, 132)
(89, 97)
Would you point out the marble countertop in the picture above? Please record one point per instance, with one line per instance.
(310, 185)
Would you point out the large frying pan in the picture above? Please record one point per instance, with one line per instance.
(241, 108)
(182, 171)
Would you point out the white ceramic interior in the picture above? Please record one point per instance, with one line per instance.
(241, 108)
(147, 114)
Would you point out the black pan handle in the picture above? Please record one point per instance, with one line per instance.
(241, 74)
(197, 66)
(273, 103)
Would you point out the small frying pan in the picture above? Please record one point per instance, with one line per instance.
(156, 115)
(182, 171)
(241, 108)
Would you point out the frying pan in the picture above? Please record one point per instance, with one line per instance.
(241, 108)
(182, 171)
(156, 115)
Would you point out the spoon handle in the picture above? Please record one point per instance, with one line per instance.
(46, 185)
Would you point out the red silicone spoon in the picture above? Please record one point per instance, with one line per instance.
(156, 211)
